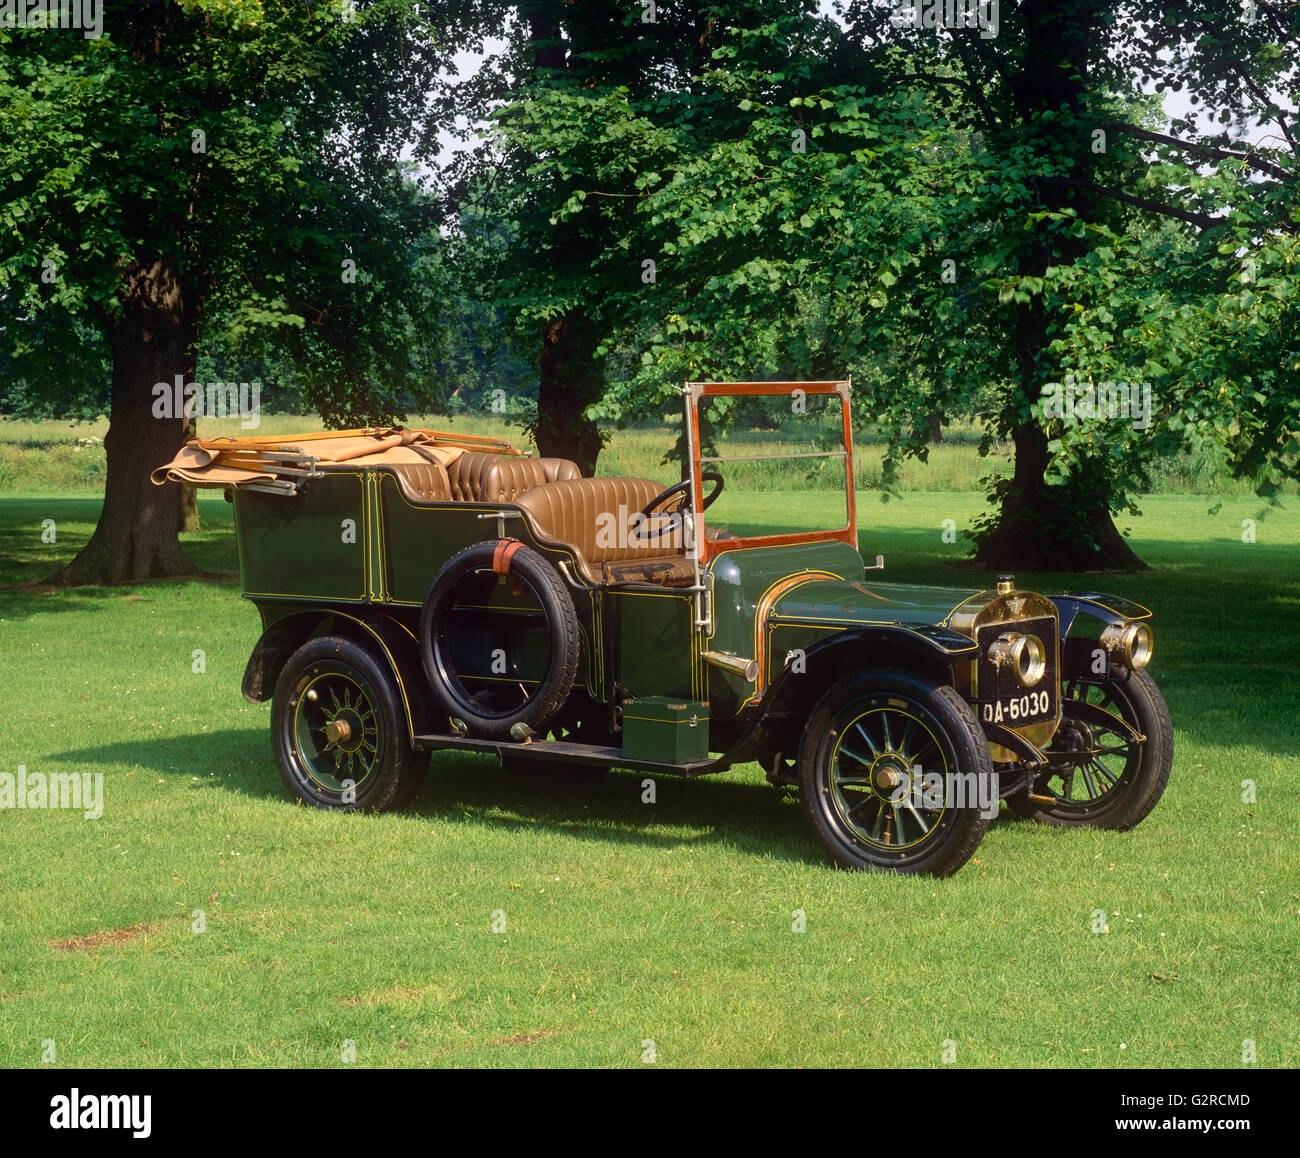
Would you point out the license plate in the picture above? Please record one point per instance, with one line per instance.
(1033, 707)
(1001, 698)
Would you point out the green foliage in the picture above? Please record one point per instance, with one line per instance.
(554, 223)
(253, 145)
(54, 364)
(1211, 337)
(929, 214)
(956, 221)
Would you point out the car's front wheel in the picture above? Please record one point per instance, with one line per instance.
(1109, 761)
(894, 773)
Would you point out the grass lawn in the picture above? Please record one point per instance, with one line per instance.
(68, 457)
(627, 922)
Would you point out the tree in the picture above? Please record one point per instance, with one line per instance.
(1207, 305)
(208, 169)
(1049, 94)
(571, 79)
(954, 212)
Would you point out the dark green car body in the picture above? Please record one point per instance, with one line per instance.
(741, 646)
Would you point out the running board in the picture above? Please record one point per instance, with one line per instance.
(562, 751)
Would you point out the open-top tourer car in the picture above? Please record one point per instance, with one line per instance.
(422, 591)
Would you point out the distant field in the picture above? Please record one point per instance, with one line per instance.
(627, 922)
(61, 456)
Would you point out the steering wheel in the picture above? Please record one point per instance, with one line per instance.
(673, 518)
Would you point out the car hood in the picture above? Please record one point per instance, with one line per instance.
(835, 602)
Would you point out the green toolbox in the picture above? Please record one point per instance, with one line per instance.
(667, 730)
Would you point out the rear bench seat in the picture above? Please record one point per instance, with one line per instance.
(502, 478)
(477, 477)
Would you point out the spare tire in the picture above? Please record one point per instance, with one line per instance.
(482, 644)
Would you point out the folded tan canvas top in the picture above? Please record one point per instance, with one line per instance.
(221, 462)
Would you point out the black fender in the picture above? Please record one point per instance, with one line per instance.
(1089, 613)
(774, 721)
(391, 641)
(1104, 609)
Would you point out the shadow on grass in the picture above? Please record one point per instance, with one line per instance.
(462, 789)
(26, 559)
(26, 600)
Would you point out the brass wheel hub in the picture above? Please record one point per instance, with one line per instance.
(888, 772)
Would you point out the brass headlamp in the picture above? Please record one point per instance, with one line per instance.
(1023, 654)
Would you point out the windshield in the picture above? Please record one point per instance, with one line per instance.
(783, 455)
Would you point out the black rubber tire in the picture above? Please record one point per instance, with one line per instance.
(1146, 770)
(562, 624)
(393, 773)
(959, 746)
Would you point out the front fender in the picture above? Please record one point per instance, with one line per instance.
(1084, 616)
(768, 729)
(1104, 609)
(921, 647)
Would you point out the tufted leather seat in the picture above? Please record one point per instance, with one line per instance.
(423, 482)
(479, 478)
(595, 516)
(476, 477)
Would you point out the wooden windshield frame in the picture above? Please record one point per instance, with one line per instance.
(694, 391)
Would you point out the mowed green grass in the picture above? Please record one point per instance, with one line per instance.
(628, 922)
(68, 457)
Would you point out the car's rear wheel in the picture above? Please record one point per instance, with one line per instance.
(1100, 774)
(894, 773)
(339, 732)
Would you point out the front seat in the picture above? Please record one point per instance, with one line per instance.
(597, 519)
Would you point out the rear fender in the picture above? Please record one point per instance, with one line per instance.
(392, 644)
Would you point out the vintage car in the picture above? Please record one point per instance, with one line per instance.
(422, 591)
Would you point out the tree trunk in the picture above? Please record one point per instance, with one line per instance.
(569, 382)
(568, 377)
(1064, 527)
(136, 537)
